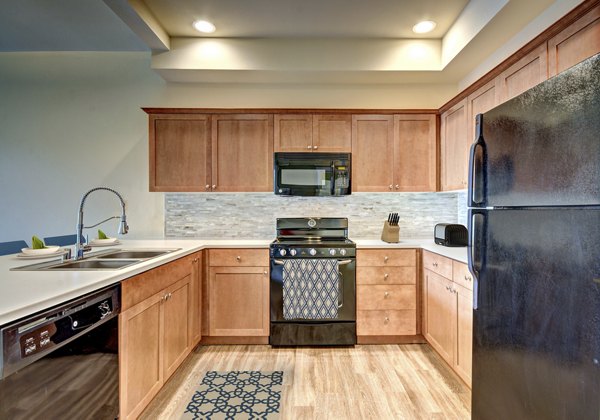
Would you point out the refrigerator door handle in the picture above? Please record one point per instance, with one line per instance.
(477, 180)
(476, 248)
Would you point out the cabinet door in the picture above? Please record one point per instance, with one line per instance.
(293, 133)
(440, 307)
(464, 333)
(415, 153)
(455, 144)
(373, 152)
(140, 356)
(196, 289)
(177, 317)
(480, 101)
(179, 152)
(242, 152)
(524, 74)
(332, 133)
(239, 301)
(575, 43)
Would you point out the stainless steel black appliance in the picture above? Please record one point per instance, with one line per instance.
(313, 283)
(63, 363)
(312, 174)
(534, 251)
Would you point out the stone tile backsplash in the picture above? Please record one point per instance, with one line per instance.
(252, 215)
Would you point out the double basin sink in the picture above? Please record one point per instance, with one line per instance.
(113, 259)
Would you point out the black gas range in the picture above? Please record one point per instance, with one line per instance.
(313, 283)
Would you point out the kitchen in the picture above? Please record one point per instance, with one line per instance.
(89, 130)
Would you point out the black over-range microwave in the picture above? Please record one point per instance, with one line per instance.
(312, 174)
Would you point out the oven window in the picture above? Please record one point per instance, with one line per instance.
(306, 177)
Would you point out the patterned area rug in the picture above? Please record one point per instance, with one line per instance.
(237, 395)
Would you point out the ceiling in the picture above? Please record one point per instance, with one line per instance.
(279, 41)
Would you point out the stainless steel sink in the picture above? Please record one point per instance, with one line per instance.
(112, 259)
(93, 265)
(132, 253)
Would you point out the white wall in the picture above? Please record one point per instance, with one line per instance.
(72, 121)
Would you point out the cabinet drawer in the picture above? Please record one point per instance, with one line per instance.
(437, 264)
(238, 257)
(386, 297)
(386, 275)
(402, 322)
(461, 275)
(387, 257)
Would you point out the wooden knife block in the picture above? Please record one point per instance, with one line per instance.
(390, 234)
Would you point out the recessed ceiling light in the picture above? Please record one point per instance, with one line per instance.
(424, 27)
(204, 26)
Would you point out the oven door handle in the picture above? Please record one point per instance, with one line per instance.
(340, 289)
(340, 262)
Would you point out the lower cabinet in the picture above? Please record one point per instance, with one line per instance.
(386, 294)
(448, 311)
(156, 329)
(238, 293)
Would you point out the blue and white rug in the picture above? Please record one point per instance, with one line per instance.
(237, 395)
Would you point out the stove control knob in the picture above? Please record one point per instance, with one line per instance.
(282, 252)
(342, 251)
(312, 252)
(292, 252)
(332, 252)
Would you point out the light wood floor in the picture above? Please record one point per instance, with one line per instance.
(364, 382)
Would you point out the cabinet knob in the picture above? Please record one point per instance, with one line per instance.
(467, 278)
(385, 276)
(214, 186)
(391, 187)
(238, 258)
(397, 186)
(448, 288)
(315, 147)
(207, 187)
(265, 272)
(195, 259)
(435, 264)
(386, 320)
(386, 258)
(386, 295)
(309, 147)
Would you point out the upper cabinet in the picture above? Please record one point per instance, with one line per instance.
(575, 43)
(455, 142)
(313, 133)
(394, 152)
(179, 152)
(242, 152)
(480, 101)
(197, 152)
(524, 74)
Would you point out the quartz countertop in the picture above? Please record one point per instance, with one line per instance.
(27, 292)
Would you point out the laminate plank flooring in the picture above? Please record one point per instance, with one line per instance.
(363, 382)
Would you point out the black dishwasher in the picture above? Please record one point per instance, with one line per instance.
(63, 363)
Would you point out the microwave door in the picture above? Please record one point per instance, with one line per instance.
(306, 179)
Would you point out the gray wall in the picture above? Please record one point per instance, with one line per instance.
(252, 215)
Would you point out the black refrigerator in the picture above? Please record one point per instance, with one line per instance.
(534, 251)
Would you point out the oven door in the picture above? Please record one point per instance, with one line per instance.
(346, 287)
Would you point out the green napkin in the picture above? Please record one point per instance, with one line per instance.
(37, 243)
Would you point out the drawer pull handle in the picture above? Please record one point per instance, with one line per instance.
(238, 258)
(385, 276)
(386, 320)
(386, 295)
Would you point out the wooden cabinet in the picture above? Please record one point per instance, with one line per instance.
(386, 294)
(574, 44)
(480, 101)
(238, 287)
(242, 152)
(524, 74)
(155, 331)
(454, 146)
(313, 133)
(179, 151)
(448, 311)
(394, 152)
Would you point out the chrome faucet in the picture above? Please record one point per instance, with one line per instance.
(123, 227)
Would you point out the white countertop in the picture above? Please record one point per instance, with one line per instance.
(26, 292)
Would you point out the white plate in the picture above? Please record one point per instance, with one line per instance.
(37, 257)
(51, 249)
(101, 242)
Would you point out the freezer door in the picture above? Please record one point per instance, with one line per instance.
(536, 333)
(541, 148)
